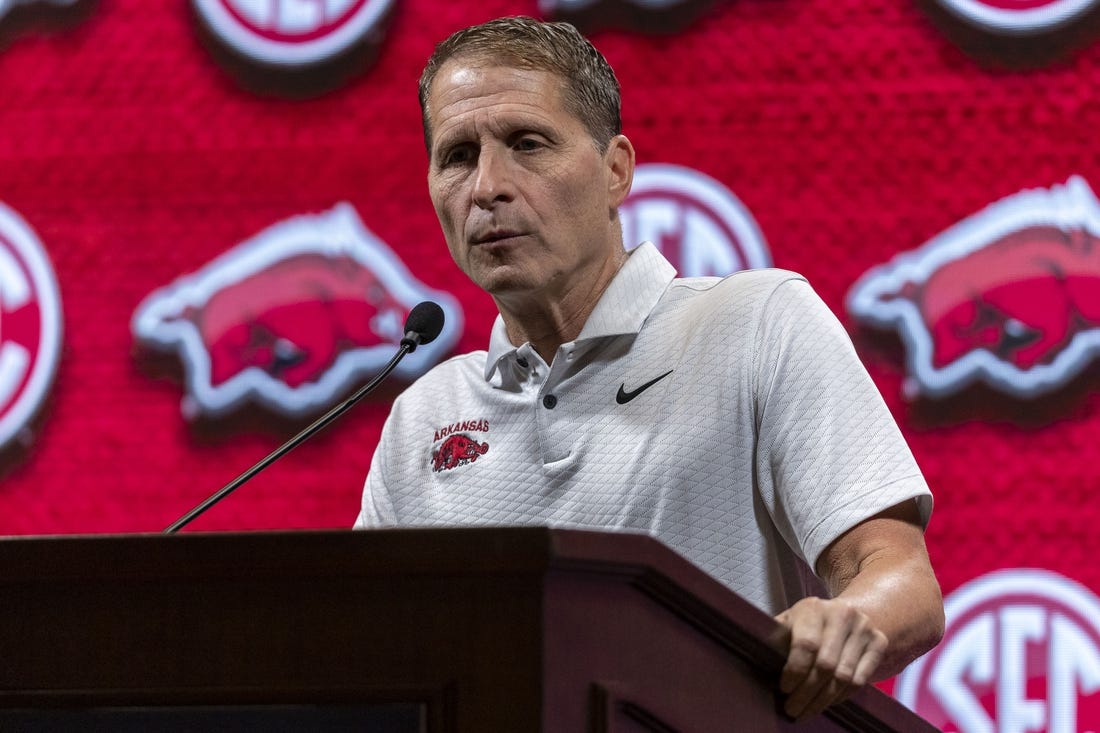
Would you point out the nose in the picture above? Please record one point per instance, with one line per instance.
(492, 181)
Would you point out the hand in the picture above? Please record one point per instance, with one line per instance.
(834, 650)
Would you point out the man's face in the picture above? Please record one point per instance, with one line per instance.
(525, 199)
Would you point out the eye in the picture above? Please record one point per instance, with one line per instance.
(457, 155)
(1016, 329)
(528, 143)
(1016, 335)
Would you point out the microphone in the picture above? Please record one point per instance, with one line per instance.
(424, 324)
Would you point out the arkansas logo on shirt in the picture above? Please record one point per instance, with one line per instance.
(456, 447)
(1018, 16)
(697, 223)
(1009, 296)
(291, 318)
(1020, 652)
(292, 33)
(30, 325)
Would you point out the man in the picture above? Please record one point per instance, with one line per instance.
(729, 418)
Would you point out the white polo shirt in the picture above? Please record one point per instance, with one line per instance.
(730, 418)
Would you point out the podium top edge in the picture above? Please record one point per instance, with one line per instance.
(538, 551)
(339, 550)
(355, 554)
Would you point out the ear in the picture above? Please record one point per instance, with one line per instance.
(619, 159)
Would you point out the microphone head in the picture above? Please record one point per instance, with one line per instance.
(424, 323)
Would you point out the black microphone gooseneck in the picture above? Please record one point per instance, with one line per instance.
(424, 323)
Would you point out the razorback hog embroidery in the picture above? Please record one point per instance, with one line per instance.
(457, 450)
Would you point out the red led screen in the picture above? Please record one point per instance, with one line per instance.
(139, 148)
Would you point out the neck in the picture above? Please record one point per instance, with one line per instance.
(548, 320)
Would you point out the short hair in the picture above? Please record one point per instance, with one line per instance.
(591, 91)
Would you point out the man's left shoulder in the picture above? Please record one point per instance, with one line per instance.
(744, 289)
(744, 282)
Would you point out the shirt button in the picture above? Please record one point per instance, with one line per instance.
(522, 362)
(549, 402)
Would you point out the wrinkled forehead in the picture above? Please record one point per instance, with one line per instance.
(473, 60)
(469, 83)
(456, 65)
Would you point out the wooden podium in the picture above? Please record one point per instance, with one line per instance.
(522, 630)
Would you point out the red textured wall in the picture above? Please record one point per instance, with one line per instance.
(852, 130)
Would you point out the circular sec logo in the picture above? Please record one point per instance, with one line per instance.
(697, 223)
(30, 325)
(1021, 652)
(1018, 16)
(292, 32)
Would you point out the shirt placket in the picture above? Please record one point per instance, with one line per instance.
(556, 416)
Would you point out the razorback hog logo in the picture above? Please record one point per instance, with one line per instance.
(6, 5)
(30, 325)
(697, 223)
(1015, 17)
(293, 33)
(457, 450)
(1020, 652)
(1009, 296)
(292, 317)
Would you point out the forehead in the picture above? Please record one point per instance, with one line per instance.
(464, 89)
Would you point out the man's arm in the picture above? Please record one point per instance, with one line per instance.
(885, 611)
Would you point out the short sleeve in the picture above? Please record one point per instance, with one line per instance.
(829, 452)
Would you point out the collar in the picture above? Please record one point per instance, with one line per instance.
(622, 308)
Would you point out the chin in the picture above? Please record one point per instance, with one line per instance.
(504, 288)
(505, 281)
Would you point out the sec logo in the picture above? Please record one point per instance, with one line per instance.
(697, 223)
(1018, 16)
(292, 32)
(1021, 652)
(30, 325)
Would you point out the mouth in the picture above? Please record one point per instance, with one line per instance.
(495, 236)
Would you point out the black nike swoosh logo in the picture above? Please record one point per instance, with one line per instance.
(623, 396)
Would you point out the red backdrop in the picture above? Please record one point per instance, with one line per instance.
(851, 129)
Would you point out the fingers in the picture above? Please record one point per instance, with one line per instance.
(807, 630)
(834, 650)
(816, 645)
(869, 661)
(830, 693)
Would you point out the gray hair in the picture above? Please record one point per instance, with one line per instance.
(591, 91)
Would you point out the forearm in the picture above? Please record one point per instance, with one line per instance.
(898, 592)
(885, 611)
